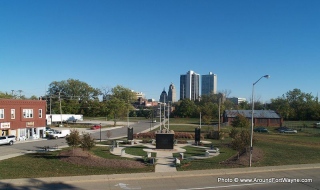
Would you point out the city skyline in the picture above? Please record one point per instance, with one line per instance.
(145, 45)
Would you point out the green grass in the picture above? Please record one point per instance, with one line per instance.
(208, 163)
(48, 165)
(138, 151)
(131, 119)
(195, 121)
(191, 151)
(288, 149)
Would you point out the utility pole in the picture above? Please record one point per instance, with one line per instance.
(60, 107)
(219, 114)
(200, 120)
(50, 112)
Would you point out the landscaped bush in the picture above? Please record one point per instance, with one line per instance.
(148, 135)
(185, 135)
(177, 135)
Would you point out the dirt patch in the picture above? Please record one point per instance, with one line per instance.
(80, 157)
(243, 159)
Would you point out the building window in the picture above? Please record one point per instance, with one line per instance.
(13, 113)
(1, 113)
(27, 113)
(40, 113)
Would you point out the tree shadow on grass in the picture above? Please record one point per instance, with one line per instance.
(46, 155)
(34, 184)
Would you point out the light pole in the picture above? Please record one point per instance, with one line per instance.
(100, 132)
(251, 136)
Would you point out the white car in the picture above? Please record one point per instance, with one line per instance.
(8, 139)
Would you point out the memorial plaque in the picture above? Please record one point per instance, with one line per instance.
(197, 134)
(164, 141)
(130, 133)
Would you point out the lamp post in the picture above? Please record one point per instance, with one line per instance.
(251, 136)
(100, 132)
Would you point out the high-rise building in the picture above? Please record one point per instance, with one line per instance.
(172, 93)
(163, 96)
(189, 86)
(209, 84)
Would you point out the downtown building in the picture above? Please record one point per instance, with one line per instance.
(208, 84)
(190, 86)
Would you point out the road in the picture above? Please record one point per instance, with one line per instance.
(35, 145)
(214, 179)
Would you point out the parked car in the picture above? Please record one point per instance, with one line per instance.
(96, 127)
(261, 130)
(59, 134)
(286, 130)
(7, 139)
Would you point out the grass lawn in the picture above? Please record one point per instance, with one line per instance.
(195, 121)
(284, 149)
(138, 151)
(204, 164)
(48, 165)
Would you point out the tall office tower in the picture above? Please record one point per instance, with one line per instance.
(209, 84)
(189, 86)
(172, 93)
(163, 96)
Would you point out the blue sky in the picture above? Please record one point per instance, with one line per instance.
(146, 45)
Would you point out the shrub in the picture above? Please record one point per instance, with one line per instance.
(87, 141)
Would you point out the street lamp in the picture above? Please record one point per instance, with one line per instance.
(251, 136)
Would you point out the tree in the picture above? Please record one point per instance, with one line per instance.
(120, 102)
(241, 141)
(6, 95)
(87, 141)
(240, 122)
(74, 94)
(73, 139)
(186, 108)
(116, 109)
(123, 93)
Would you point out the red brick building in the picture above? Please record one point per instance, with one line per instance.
(23, 118)
(265, 118)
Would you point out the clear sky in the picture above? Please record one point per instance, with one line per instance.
(145, 45)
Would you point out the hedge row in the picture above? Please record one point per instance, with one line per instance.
(177, 135)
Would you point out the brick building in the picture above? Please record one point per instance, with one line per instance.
(265, 118)
(23, 118)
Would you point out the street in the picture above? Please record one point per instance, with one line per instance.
(38, 144)
(211, 179)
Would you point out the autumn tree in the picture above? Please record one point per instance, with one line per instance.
(73, 139)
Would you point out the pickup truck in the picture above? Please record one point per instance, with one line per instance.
(7, 139)
(59, 134)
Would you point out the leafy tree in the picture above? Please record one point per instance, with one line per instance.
(74, 94)
(73, 139)
(87, 141)
(241, 141)
(6, 95)
(240, 122)
(233, 133)
(120, 102)
(123, 93)
(186, 108)
(296, 105)
(116, 109)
